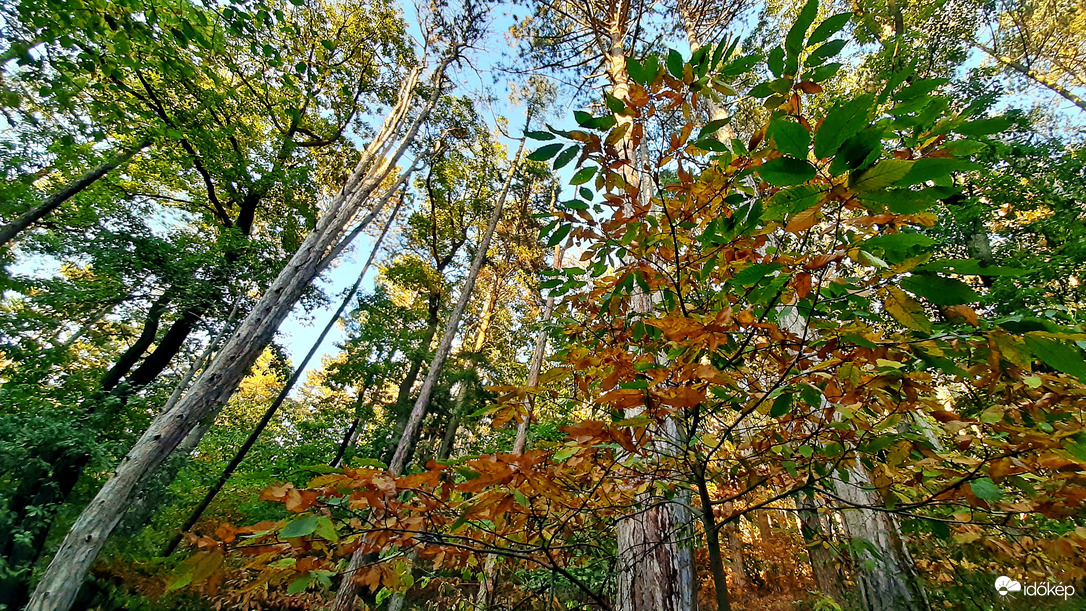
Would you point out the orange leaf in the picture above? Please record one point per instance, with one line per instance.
(803, 221)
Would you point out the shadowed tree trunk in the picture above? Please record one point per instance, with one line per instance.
(825, 565)
(25, 220)
(885, 573)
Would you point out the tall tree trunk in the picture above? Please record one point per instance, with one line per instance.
(269, 413)
(886, 574)
(403, 393)
(348, 589)
(451, 428)
(1032, 75)
(537, 363)
(138, 514)
(37, 213)
(61, 581)
(655, 571)
(825, 565)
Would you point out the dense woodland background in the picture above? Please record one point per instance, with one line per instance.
(644, 305)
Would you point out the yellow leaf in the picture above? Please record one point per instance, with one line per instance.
(907, 310)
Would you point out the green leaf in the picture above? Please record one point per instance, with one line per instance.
(559, 235)
(901, 201)
(539, 135)
(300, 527)
(1060, 356)
(786, 171)
(583, 175)
(907, 310)
(940, 529)
(326, 530)
(753, 274)
(898, 246)
(841, 123)
(300, 583)
(614, 104)
(643, 73)
(1075, 448)
(985, 489)
(829, 27)
(564, 454)
(740, 65)
(824, 72)
(712, 145)
(775, 61)
(936, 169)
(713, 127)
(920, 88)
(793, 42)
(781, 406)
(567, 156)
(984, 127)
(794, 200)
(675, 63)
(791, 138)
(857, 152)
(824, 52)
(881, 175)
(805, 451)
(940, 290)
(544, 153)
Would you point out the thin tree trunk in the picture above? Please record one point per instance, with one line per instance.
(62, 579)
(348, 440)
(146, 337)
(269, 413)
(484, 599)
(1032, 75)
(400, 458)
(712, 541)
(537, 363)
(445, 449)
(348, 589)
(404, 392)
(138, 514)
(35, 214)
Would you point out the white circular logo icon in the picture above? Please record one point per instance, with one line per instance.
(1005, 585)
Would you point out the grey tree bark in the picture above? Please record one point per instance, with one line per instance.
(453, 425)
(886, 575)
(269, 413)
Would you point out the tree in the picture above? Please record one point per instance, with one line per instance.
(58, 586)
